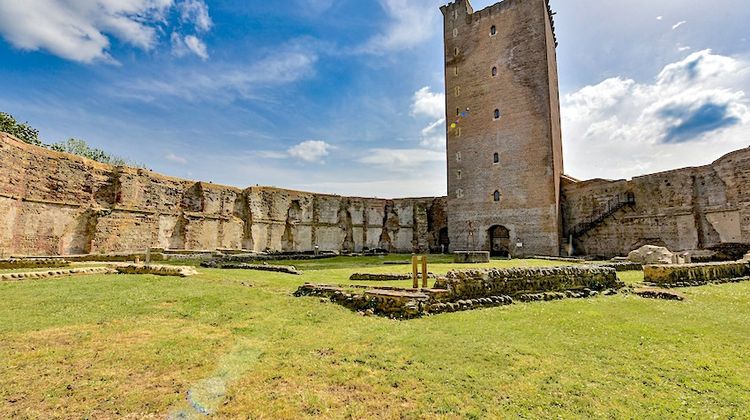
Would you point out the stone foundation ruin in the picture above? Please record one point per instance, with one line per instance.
(471, 289)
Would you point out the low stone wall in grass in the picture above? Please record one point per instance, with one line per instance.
(471, 289)
(21, 263)
(623, 266)
(462, 284)
(286, 269)
(385, 277)
(56, 273)
(684, 275)
(157, 270)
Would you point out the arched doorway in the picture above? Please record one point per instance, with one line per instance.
(444, 240)
(499, 241)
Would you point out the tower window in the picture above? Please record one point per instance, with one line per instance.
(455, 14)
(459, 193)
(458, 90)
(455, 51)
(458, 111)
(458, 157)
(497, 114)
(493, 30)
(496, 158)
(455, 70)
(455, 33)
(496, 196)
(458, 174)
(494, 71)
(458, 132)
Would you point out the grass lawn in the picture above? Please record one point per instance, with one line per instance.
(242, 346)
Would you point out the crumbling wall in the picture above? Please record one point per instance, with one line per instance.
(53, 203)
(683, 209)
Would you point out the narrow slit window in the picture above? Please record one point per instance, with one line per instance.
(458, 174)
(496, 115)
(493, 30)
(458, 157)
(455, 33)
(455, 70)
(496, 158)
(458, 90)
(455, 51)
(496, 196)
(494, 71)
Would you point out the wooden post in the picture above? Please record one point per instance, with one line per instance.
(424, 271)
(414, 271)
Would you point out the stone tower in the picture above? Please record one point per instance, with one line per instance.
(503, 128)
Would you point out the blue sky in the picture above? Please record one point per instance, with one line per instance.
(346, 96)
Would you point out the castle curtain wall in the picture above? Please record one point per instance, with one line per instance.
(684, 209)
(58, 204)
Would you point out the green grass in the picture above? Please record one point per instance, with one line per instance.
(119, 345)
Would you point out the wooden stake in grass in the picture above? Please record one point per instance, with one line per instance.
(414, 271)
(416, 260)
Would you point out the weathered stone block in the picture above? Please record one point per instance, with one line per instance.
(471, 257)
(695, 274)
(649, 254)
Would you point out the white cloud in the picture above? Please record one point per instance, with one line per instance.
(310, 151)
(196, 46)
(660, 18)
(428, 103)
(176, 159)
(195, 12)
(225, 81)
(80, 30)
(401, 159)
(411, 23)
(694, 111)
(678, 24)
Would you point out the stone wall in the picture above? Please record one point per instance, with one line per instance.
(683, 209)
(58, 204)
(463, 284)
(696, 274)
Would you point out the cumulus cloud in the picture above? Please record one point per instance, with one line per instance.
(429, 104)
(411, 23)
(694, 111)
(310, 151)
(80, 30)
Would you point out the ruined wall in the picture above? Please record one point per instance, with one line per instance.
(58, 204)
(683, 209)
(502, 58)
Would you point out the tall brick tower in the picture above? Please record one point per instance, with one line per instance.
(503, 120)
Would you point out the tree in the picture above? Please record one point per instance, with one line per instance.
(28, 134)
(22, 131)
(81, 148)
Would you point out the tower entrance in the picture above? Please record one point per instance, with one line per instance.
(499, 241)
